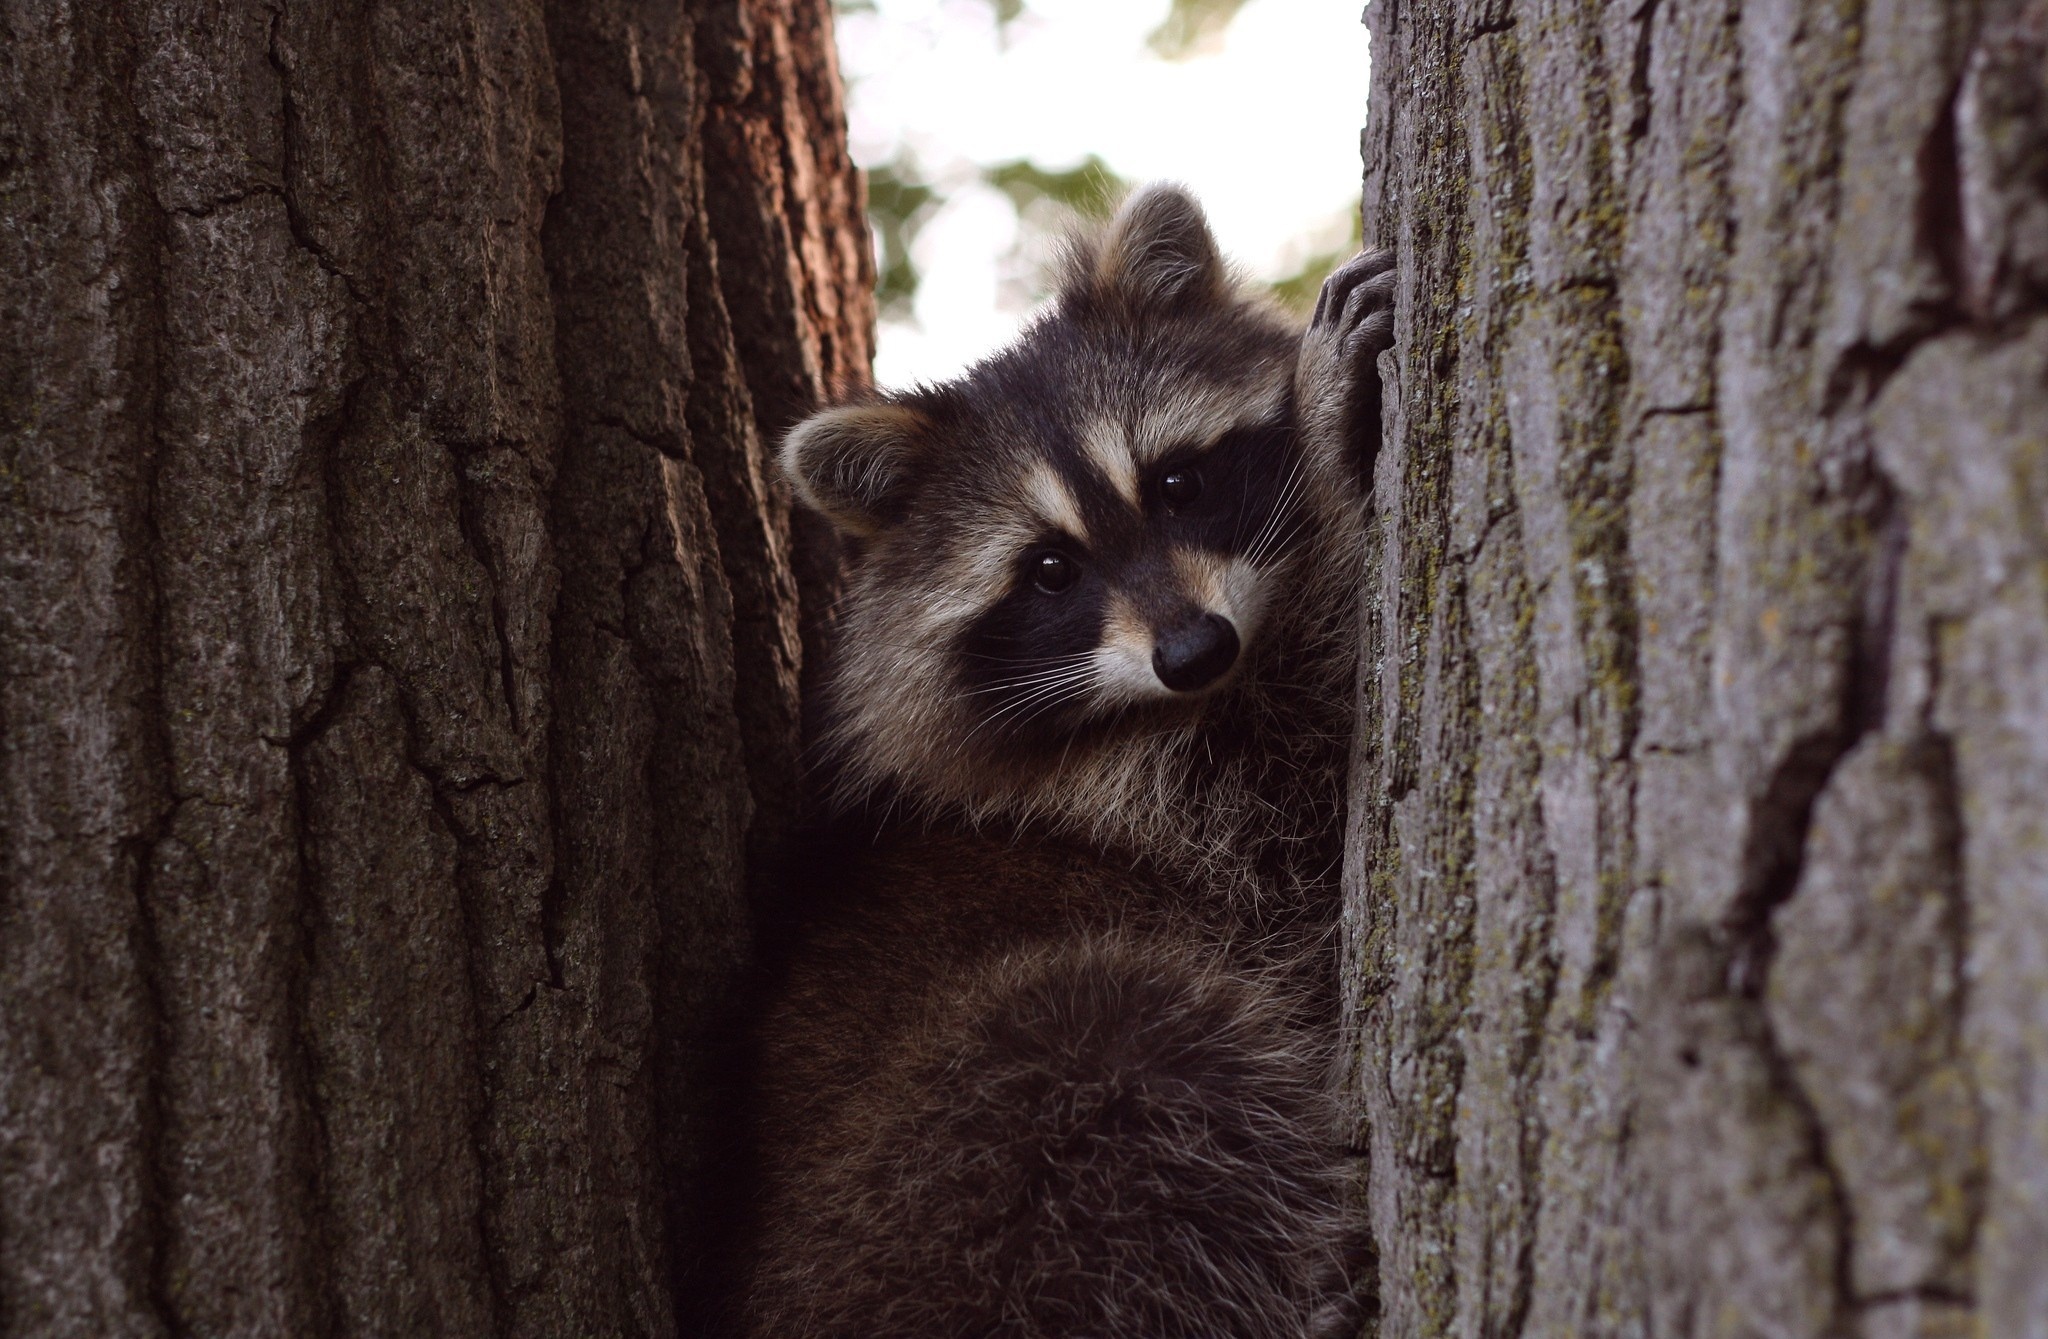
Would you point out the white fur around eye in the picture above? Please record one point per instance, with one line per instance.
(1203, 414)
(1048, 494)
(1104, 444)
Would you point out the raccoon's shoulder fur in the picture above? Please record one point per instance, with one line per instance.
(1031, 1066)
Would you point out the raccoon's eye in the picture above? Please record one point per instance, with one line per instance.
(1180, 487)
(1053, 572)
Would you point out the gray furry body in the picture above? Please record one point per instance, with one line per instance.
(1046, 1053)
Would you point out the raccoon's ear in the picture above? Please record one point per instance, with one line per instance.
(851, 462)
(1158, 250)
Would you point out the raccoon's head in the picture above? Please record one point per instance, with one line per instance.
(1087, 543)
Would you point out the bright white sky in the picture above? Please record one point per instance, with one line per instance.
(1265, 130)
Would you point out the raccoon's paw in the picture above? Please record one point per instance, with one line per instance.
(1338, 381)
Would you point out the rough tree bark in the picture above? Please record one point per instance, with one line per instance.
(1698, 893)
(398, 645)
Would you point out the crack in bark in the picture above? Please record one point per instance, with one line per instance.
(303, 1052)
(470, 521)
(1645, 19)
(1781, 818)
(1774, 854)
(1863, 370)
(258, 191)
(288, 116)
(1941, 772)
(1925, 1293)
(160, 1223)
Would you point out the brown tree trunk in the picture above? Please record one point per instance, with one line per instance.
(400, 642)
(1699, 868)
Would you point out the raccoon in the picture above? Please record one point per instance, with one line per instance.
(1045, 1049)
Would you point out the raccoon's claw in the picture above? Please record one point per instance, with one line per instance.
(1346, 278)
(1357, 305)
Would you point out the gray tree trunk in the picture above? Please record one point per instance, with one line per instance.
(1698, 892)
(398, 644)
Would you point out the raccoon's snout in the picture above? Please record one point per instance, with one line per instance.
(1196, 653)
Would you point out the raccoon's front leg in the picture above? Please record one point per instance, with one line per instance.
(1337, 380)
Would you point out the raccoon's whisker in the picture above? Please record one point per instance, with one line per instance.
(1302, 525)
(1259, 537)
(1054, 693)
(1043, 699)
(1289, 487)
(1012, 685)
(1280, 541)
(1288, 484)
(1049, 703)
(1026, 685)
(1031, 663)
(1287, 515)
(1061, 666)
(1286, 522)
(1041, 692)
(1030, 687)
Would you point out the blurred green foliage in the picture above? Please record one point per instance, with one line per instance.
(1192, 26)
(1089, 189)
(900, 202)
(903, 197)
(1297, 291)
(1048, 202)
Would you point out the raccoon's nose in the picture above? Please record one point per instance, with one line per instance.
(1195, 654)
